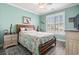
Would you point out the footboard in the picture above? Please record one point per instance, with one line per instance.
(44, 47)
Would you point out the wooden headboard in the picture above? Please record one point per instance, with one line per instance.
(23, 25)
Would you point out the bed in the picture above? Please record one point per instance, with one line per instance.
(36, 42)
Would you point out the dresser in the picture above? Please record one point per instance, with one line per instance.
(10, 40)
(72, 42)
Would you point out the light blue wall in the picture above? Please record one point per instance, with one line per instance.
(43, 23)
(12, 15)
(69, 12)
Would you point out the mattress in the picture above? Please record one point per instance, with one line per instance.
(32, 39)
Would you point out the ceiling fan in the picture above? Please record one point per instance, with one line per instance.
(43, 5)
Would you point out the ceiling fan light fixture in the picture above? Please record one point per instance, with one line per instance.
(42, 6)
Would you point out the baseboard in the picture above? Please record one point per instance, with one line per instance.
(61, 40)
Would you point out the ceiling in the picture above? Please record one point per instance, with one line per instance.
(49, 7)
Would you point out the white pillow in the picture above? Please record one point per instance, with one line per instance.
(22, 28)
(29, 29)
(34, 30)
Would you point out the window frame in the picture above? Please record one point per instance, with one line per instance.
(53, 16)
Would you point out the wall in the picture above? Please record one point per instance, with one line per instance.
(12, 15)
(42, 23)
(69, 12)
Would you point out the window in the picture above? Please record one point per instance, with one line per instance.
(55, 23)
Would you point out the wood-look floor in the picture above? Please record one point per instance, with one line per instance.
(58, 50)
(20, 50)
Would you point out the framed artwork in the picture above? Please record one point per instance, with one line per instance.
(26, 20)
(72, 19)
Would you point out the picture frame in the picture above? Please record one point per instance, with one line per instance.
(26, 20)
(72, 19)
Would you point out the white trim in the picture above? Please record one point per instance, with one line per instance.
(61, 40)
(55, 14)
(22, 8)
(59, 9)
(41, 13)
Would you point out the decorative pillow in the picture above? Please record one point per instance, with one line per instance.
(25, 29)
(34, 30)
(22, 28)
(29, 29)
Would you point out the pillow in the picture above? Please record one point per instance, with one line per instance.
(29, 29)
(34, 30)
(22, 28)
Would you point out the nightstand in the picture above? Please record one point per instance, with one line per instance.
(10, 40)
